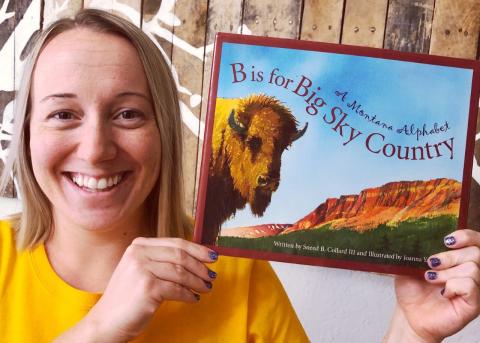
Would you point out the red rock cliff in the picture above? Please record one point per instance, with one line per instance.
(391, 203)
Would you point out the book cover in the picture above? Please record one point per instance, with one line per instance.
(335, 155)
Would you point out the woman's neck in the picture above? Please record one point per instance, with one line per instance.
(86, 258)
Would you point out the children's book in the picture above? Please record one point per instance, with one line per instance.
(335, 155)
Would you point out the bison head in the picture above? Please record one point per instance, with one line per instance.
(260, 128)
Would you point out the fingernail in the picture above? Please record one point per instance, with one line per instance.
(442, 291)
(213, 255)
(435, 262)
(450, 240)
(208, 284)
(432, 275)
(197, 296)
(212, 274)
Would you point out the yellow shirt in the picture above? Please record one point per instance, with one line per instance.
(247, 303)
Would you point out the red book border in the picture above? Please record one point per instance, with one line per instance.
(340, 49)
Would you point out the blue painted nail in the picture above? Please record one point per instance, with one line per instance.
(213, 255)
(208, 284)
(435, 262)
(450, 240)
(432, 275)
(212, 274)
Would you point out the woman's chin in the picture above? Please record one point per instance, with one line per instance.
(100, 221)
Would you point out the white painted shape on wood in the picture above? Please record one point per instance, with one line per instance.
(3, 12)
(476, 170)
(166, 13)
(6, 61)
(23, 31)
(154, 27)
(54, 10)
(7, 120)
(191, 121)
(244, 30)
(195, 100)
(128, 11)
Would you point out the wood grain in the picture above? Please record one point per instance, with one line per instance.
(157, 20)
(223, 16)
(273, 19)
(455, 31)
(364, 22)
(188, 65)
(128, 9)
(322, 20)
(27, 25)
(7, 86)
(409, 25)
(56, 9)
(456, 26)
(474, 204)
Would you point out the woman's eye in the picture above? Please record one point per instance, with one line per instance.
(129, 115)
(63, 115)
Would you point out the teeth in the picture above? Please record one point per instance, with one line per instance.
(78, 179)
(94, 184)
(91, 183)
(102, 183)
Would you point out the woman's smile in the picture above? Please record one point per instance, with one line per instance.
(92, 183)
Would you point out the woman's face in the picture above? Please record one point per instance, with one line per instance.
(95, 146)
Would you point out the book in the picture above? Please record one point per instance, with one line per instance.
(335, 155)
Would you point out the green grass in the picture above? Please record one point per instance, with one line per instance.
(416, 238)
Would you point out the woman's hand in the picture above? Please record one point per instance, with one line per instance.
(151, 271)
(449, 300)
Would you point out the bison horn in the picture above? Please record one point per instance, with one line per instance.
(236, 126)
(300, 133)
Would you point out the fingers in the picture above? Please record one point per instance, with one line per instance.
(462, 262)
(196, 250)
(174, 255)
(179, 275)
(462, 287)
(462, 238)
(453, 258)
(465, 270)
(176, 267)
(467, 290)
(167, 290)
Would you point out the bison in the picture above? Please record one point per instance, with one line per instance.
(249, 137)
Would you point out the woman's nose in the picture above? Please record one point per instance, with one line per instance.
(96, 143)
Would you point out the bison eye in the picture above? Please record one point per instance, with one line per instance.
(254, 144)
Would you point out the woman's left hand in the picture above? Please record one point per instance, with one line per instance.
(450, 298)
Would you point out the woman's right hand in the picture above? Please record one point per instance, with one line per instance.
(150, 271)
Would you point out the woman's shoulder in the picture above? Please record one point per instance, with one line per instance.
(7, 236)
(8, 251)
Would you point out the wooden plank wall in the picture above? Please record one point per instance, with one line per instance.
(184, 30)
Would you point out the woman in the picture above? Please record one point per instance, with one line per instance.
(97, 153)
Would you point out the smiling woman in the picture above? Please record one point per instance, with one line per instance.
(97, 153)
(101, 250)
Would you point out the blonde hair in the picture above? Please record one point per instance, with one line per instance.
(165, 203)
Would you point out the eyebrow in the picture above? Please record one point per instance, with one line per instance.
(141, 95)
(59, 95)
(72, 95)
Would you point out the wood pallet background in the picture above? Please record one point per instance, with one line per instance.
(185, 30)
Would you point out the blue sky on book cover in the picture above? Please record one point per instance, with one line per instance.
(326, 163)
